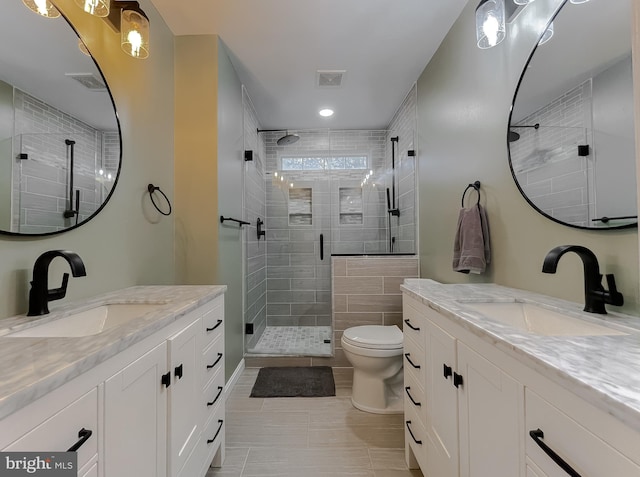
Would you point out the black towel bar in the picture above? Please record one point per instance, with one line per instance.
(240, 222)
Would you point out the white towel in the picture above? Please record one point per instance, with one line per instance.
(471, 248)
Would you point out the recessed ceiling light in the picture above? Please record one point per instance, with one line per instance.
(326, 112)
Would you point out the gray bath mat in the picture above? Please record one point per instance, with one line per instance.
(315, 381)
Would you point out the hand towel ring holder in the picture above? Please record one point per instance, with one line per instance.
(476, 187)
(151, 189)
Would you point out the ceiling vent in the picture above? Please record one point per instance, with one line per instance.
(330, 78)
(88, 80)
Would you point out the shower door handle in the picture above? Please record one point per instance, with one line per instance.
(321, 247)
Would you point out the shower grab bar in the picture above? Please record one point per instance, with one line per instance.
(240, 222)
(321, 247)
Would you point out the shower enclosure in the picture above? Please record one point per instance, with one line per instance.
(329, 192)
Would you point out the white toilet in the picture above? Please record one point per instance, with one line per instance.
(375, 352)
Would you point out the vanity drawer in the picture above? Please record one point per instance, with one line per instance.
(212, 360)
(205, 450)
(583, 451)
(414, 361)
(414, 397)
(415, 435)
(213, 394)
(213, 321)
(413, 325)
(61, 431)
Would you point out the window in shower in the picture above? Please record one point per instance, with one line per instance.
(299, 206)
(350, 201)
(320, 163)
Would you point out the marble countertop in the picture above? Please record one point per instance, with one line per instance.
(32, 367)
(603, 370)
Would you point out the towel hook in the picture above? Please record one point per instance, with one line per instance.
(476, 187)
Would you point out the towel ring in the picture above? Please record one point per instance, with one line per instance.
(151, 189)
(476, 187)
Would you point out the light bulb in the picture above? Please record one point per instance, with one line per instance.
(98, 8)
(42, 7)
(490, 30)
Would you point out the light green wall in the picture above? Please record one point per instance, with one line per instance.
(208, 175)
(128, 243)
(464, 98)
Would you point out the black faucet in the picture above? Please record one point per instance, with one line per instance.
(40, 295)
(595, 295)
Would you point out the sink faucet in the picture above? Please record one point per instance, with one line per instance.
(595, 295)
(40, 295)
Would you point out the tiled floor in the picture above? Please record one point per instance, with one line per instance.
(294, 340)
(309, 437)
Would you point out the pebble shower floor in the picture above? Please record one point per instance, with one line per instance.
(294, 340)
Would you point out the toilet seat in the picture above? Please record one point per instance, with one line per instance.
(374, 337)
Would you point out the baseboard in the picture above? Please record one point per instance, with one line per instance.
(233, 379)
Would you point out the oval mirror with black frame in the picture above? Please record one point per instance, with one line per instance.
(571, 129)
(60, 142)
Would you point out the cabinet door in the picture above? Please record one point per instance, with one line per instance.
(135, 405)
(490, 423)
(185, 396)
(442, 403)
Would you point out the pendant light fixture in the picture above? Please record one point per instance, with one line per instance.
(42, 7)
(490, 23)
(128, 19)
(99, 8)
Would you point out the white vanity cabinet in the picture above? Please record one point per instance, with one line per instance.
(135, 417)
(470, 406)
(492, 424)
(147, 406)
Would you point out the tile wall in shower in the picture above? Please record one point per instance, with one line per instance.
(403, 126)
(40, 183)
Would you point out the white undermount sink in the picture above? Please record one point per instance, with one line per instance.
(89, 322)
(535, 319)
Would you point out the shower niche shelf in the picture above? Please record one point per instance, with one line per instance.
(351, 206)
(299, 207)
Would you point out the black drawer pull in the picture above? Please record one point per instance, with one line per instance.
(410, 432)
(537, 435)
(83, 435)
(218, 323)
(216, 398)
(178, 372)
(447, 371)
(408, 322)
(411, 397)
(417, 366)
(220, 422)
(209, 366)
(166, 379)
(457, 380)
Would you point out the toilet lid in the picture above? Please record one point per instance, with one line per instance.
(374, 336)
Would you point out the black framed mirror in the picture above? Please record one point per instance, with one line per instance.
(60, 141)
(571, 130)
